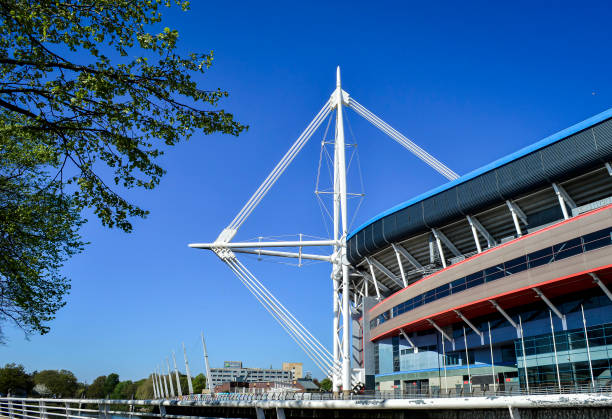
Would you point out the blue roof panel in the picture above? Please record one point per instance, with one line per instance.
(494, 165)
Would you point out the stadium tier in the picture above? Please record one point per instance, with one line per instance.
(499, 279)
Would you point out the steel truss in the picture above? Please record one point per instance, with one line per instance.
(338, 363)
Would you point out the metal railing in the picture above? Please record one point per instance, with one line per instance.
(432, 392)
(33, 408)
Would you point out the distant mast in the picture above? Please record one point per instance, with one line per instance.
(176, 373)
(207, 365)
(187, 370)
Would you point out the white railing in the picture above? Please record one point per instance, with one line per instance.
(33, 408)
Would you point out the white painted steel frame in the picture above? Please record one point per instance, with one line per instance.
(176, 374)
(337, 365)
(206, 364)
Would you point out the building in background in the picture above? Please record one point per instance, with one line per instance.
(232, 364)
(297, 386)
(500, 278)
(296, 369)
(235, 372)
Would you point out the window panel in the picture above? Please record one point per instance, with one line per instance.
(539, 258)
(494, 272)
(566, 249)
(516, 265)
(597, 239)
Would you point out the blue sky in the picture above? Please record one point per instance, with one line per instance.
(469, 82)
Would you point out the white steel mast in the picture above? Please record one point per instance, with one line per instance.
(176, 373)
(189, 384)
(341, 223)
(206, 364)
(337, 365)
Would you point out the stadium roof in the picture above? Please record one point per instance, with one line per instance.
(519, 171)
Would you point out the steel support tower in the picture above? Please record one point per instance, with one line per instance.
(337, 364)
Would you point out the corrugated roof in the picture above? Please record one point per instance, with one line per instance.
(491, 166)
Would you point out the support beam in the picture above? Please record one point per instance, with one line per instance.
(469, 323)
(292, 255)
(374, 280)
(401, 267)
(483, 231)
(340, 190)
(551, 306)
(474, 234)
(432, 249)
(256, 245)
(564, 200)
(412, 345)
(442, 332)
(384, 270)
(439, 235)
(517, 214)
(383, 288)
(402, 250)
(601, 285)
(506, 315)
(440, 250)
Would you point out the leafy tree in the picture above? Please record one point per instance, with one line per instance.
(144, 390)
(112, 380)
(199, 383)
(89, 101)
(96, 389)
(60, 383)
(184, 383)
(326, 384)
(15, 380)
(124, 390)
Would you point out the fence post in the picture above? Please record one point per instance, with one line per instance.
(42, 409)
(67, 409)
(10, 409)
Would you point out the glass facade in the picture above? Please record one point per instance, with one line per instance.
(540, 257)
(434, 366)
(572, 357)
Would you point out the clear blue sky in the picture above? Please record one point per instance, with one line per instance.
(469, 82)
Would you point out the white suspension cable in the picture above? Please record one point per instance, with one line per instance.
(324, 366)
(401, 139)
(295, 329)
(278, 305)
(279, 168)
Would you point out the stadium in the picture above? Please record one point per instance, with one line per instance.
(499, 279)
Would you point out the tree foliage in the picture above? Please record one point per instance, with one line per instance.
(199, 383)
(60, 383)
(326, 384)
(89, 101)
(15, 380)
(96, 389)
(144, 389)
(110, 383)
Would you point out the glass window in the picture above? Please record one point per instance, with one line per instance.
(598, 239)
(442, 291)
(494, 272)
(429, 296)
(566, 249)
(474, 279)
(457, 285)
(540, 257)
(418, 301)
(516, 265)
